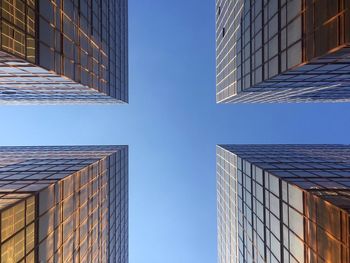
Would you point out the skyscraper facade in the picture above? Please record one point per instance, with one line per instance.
(67, 51)
(282, 51)
(283, 203)
(64, 204)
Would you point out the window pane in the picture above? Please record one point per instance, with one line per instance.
(12, 220)
(296, 198)
(13, 249)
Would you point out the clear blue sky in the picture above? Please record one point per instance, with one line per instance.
(172, 126)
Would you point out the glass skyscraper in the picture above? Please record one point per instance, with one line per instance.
(283, 203)
(54, 51)
(64, 204)
(282, 51)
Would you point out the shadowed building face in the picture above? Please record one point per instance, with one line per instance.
(283, 203)
(68, 51)
(283, 51)
(64, 204)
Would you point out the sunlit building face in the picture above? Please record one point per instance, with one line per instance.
(283, 203)
(64, 204)
(54, 51)
(282, 51)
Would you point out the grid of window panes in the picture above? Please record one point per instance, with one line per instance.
(18, 28)
(72, 187)
(323, 80)
(327, 26)
(228, 22)
(226, 206)
(73, 217)
(21, 82)
(118, 207)
(322, 169)
(16, 160)
(80, 40)
(293, 202)
(258, 41)
(84, 41)
(18, 230)
(258, 216)
(327, 231)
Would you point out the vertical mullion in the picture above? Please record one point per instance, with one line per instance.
(251, 8)
(303, 31)
(280, 197)
(252, 194)
(36, 229)
(25, 230)
(263, 41)
(108, 51)
(78, 49)
(242, 46)
(340, 24)
(1, 29)
(61, 34)
(60, 211)
(25, 28)
(279, 70)
(264, 215)
(314, 28)
(37, 35)
(78, 211)
(118, 29)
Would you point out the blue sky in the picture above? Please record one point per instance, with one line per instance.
(172, 126)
